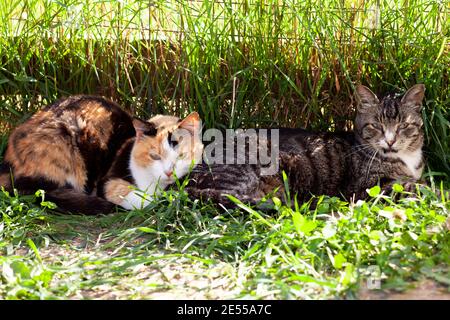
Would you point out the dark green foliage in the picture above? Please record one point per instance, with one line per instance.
(240, 64)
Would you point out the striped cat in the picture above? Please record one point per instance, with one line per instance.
(89, 155)
(384, 147)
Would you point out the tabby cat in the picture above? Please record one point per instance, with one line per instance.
(90, 155)
(384, 147)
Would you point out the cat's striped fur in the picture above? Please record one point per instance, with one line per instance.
(385, 146)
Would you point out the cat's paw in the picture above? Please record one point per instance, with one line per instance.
(409, 186)
(396, 188)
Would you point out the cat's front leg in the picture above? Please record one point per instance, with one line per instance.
(124, 194)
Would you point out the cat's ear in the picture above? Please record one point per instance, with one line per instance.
(192, 123)
(143, 128)
(367, 100)
(413, 97)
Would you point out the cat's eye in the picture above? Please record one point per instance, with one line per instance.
(155, 156)
(403, 126)
(182, 156)
(376, 126)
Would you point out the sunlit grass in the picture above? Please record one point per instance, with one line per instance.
(300, 253)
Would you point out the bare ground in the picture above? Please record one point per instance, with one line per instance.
(424, 290)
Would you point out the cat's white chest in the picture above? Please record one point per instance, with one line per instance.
(412, 161)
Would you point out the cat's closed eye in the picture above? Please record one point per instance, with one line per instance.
(403, 126)
(376, 126)
(155, 156)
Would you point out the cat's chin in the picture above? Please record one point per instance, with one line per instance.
(169, 181)
(389, 151)
(164, 183)
(393, 153)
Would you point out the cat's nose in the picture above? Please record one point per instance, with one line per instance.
(168, 173)
(390, 143)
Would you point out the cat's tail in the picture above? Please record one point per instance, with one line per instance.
(71, 201)
(68, 200)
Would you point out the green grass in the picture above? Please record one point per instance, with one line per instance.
(240, 64)
(176, 246)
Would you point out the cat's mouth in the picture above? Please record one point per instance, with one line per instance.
(166, 179)
(389, 150)
(169, 180)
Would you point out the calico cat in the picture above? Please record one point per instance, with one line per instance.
(90, 155)
(385, 147)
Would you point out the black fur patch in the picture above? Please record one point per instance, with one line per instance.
(172, 143)
(150, 130)
(71, 201)
(120, 168)
(5, 167)
(98, 161)
(29, 185)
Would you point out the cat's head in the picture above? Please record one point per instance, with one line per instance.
(391, 125)
(166, 146)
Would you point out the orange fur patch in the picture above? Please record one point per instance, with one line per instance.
(46, 154)
(98, 126)
(116, 189)
(37, 148)
(144, 145)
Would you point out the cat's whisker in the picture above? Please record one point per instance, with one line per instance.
(358, 149)
(370, 164)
